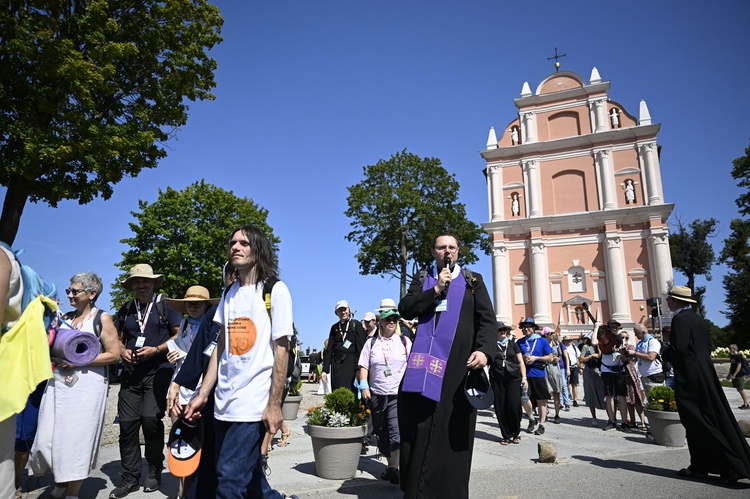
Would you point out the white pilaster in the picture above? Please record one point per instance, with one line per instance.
(501, 282)
(540, 282)
(496, 193)
(662, 273)
(617, 278)
(598, 113)
(528, 128)
(534, 192)
(607, 179)
(650, 164)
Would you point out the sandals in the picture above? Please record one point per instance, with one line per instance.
(516, 439)
(504, 441)
(284, 441)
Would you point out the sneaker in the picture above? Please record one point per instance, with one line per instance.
(595, 422)
(575, 403)
(539, 430)
(610, 426)
(532, 425)
(125, 488)
(625, 428)
(744, 407)
(153, 480)
(556, 420)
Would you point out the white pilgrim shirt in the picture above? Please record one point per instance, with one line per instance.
(246, 365)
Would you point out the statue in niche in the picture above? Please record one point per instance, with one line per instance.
(579, 315)
(629, 192)
(514, 135)
(615, 117)
(515, 206)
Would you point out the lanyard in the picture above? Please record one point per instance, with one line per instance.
(385, 346)
(143, 320)
(346, 329)
(80, 324)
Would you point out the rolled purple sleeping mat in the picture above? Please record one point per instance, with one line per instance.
(78, 348)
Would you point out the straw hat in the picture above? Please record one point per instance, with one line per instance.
(386, 304)
(145, 271)
(193, 294)
(682, 293)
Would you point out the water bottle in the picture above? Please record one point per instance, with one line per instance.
(524, 394)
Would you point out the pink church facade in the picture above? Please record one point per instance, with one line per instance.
(576, 208)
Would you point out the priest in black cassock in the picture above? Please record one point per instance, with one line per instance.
(345, 342)
(457, 331)
(715, 441)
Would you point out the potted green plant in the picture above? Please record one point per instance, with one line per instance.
(293, 399)
(663, 418)
(336, 430)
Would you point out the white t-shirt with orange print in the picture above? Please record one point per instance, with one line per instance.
(246, 365)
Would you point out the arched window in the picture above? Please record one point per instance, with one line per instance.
(576, 280)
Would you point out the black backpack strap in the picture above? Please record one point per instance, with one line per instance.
(162, 310)
(267, 289)
(98, 322)
(122, 316)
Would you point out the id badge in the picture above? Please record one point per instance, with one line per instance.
(210, 349)
(387, 371)
(140, 341)
(442, 306)
(347, 344)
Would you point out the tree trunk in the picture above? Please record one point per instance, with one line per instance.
(15, 200)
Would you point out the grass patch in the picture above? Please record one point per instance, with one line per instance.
(728, 384)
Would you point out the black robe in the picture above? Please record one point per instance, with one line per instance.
(715, 441)
(339, 361)
(437, 438)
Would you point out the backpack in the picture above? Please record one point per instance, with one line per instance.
(97, 321)
(33, 285)
(376, 336)
(745, 370)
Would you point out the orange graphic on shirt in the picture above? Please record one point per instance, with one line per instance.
(242, 335)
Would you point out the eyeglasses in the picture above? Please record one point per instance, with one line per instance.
(196, 304)
(73, 291)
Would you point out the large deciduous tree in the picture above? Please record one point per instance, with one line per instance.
(397, 210)
(91, 89)
(183, 235)
(736, 256)
(693, 255)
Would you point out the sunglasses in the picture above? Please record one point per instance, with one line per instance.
(73, 291)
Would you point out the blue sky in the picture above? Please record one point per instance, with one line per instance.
(310, 91)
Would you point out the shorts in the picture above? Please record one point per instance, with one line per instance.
(614, 384)
(738, 382)
(573, 378)
(538, 388)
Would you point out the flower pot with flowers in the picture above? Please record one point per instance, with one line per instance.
(663, 418)
(336, 430)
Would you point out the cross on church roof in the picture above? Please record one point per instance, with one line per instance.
(556, 57)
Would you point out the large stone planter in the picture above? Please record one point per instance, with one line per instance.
(290, 407)
(666, 428)
(336, 450)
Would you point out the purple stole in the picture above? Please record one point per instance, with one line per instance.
(432, 345)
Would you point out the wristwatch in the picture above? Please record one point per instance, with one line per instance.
(158, 349)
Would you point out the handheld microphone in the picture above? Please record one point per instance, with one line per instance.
(447, 265)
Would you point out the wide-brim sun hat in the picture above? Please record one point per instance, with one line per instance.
(142, 270)
(386, 304)
(193, 294)
(682, 293)
(528, 321)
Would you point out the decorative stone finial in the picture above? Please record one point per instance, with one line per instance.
(595, 78)
(492, 139)
(644, 117)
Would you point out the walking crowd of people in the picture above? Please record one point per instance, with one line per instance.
(219, 366)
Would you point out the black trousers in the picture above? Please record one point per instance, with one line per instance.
(141, 404)
(507, 405)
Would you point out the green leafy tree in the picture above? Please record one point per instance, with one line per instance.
(183, 235)
(736, 256)
(91, 89)
(397, 210)
(693, 255)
